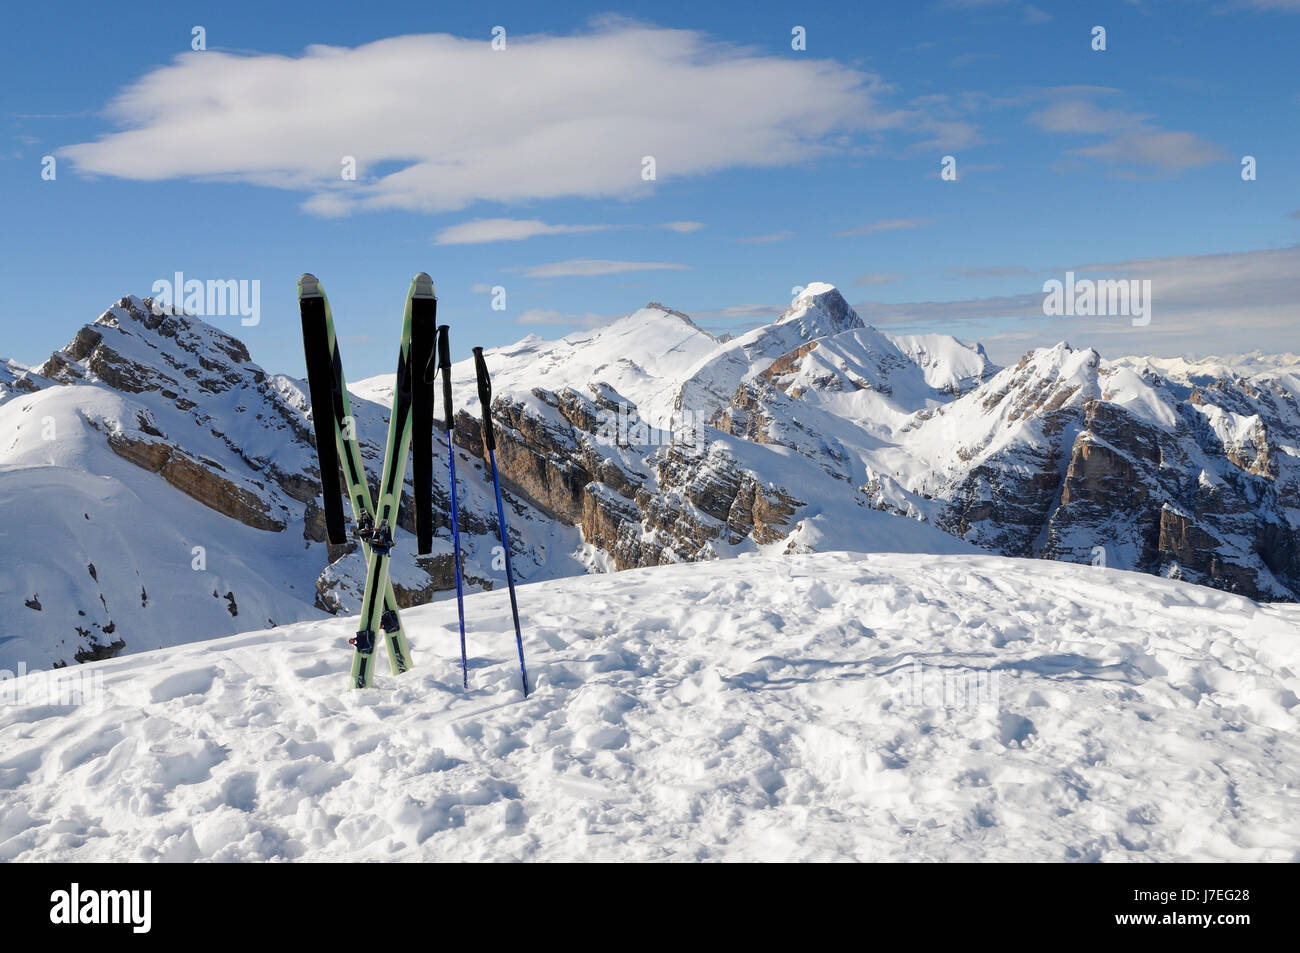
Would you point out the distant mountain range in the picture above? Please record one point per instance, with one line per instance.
(157, 486)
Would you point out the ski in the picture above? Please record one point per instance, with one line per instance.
(336, 440)
(490, 444)
(411, 386)
(444, 368)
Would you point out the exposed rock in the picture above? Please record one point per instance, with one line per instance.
(197, 481)
(98, 652)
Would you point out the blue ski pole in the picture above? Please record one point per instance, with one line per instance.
(490, 442)
(444, 367)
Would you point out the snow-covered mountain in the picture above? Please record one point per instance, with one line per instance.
(157, 487)
(790, 432)
(153, 439)
(806, 707)
(10, 372)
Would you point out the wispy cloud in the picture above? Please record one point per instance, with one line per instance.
(1029, 12)
(741, 312)
(547, 316)
(991, 271)
(887, 225)
(1201, 304)
(484, 230)
(767, 239)
(877, 279)
(592, 267)
(1284, 6)
(1156, 148)
(1131, 139)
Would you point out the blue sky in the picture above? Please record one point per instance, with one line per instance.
(774, 167)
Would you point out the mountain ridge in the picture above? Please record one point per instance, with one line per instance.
(644, 442)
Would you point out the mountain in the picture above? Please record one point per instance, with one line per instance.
(811, 707)
(157, 486)
(153, 438)
(10, 372)
(1067, 456)
(791, 433)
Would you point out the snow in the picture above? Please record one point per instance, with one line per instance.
(759, 708)
(947, 363)
(641, 356)
(70, 503)
(10, 371)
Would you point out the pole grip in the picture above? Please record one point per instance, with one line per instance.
(444, 368)
(485, 399)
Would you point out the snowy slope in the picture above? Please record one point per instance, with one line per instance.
(948, 364)
(10, 371)
(767, 708)
(641, 356)
(1204, 370)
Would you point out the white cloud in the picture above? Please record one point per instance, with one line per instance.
(1159, 148)
(876, 279)
(547, 316)
(1201, 304)
(1079, 116)
(1286, 6)
(591, 267)
(887, 225)
(1031, 13)
(551, 116)
(767, 239)
(506, 230)
(1131, 139)
(738, 312)
(483, 230)
(991, 271)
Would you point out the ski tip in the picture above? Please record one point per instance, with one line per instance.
(308, 286)
(422, 286)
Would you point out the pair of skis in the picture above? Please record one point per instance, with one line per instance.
(410, 427)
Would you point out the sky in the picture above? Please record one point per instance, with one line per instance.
(524, 168)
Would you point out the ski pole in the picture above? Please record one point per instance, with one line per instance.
(444, 367)
(490, 442)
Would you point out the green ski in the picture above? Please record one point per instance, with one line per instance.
(336, 441)
(412, 399)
